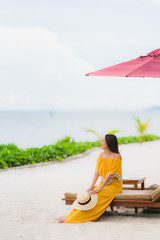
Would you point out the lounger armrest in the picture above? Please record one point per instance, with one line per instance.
(156, 199)
(155, 194)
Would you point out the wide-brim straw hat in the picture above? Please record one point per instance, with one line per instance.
(85, 201)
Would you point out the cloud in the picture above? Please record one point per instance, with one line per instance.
(38, 71)
(34, 62)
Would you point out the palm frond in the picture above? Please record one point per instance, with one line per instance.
(141, 127)
(94, 132)
(113, 131)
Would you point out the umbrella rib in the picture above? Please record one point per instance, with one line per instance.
(138, 68)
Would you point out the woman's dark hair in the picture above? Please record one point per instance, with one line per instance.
(112, 143)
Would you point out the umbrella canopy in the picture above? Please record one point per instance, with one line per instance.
(144, 66)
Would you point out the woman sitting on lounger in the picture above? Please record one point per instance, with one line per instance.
(92, 203)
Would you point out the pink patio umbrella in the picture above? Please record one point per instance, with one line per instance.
(144, 66)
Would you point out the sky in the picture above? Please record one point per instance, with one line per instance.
(47, 47)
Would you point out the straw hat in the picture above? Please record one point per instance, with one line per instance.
(85, 201)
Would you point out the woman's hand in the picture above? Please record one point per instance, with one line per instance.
(89, 189)
(95, 191)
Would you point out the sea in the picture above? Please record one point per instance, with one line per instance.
(38, 128)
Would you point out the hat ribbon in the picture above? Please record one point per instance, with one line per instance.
(85, 202)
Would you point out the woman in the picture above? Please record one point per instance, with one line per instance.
(109, 168)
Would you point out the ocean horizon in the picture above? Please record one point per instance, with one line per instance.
(38, 128)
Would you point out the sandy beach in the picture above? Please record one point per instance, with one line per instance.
(30, 201)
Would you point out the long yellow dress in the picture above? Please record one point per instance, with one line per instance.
(104, 166)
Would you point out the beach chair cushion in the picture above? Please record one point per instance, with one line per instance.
(125, 195)
(153, 187)
(155, 193)
(70, 195)
(134, 195)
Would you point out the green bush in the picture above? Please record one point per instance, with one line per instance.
(12, 156)
(133, 139)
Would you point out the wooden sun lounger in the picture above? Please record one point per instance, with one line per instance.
(136, 203)
(149, 199)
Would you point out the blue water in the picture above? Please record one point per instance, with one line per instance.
(39, 128)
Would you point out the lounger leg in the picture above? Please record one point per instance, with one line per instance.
(136, 209)
(135, 186)
(112, 208)
(142, 185)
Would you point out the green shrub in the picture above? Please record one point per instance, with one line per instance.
(135, 139)
(12, 156)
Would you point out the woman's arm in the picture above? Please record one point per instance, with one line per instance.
(106, 180)
(95, 177)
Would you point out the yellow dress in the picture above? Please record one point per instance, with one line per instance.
(105, 196)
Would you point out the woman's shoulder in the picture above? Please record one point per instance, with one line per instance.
(101, 154)
(115, 155)
(118, 155)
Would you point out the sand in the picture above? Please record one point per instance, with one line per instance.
(30, 199)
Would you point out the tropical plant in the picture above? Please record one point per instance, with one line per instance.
(93, 131)
(141, 127)
(112, 131)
